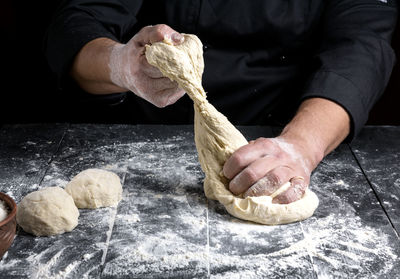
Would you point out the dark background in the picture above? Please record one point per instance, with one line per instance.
(29, 91)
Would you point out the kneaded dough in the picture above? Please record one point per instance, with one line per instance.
(216, 138)
(94, 188)
(49, 211)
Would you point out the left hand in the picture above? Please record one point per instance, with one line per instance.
(264, 165)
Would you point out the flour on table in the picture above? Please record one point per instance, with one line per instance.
(216, 138)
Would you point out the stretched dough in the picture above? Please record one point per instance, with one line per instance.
(216, 138)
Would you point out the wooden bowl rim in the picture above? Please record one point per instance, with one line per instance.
(11, 204)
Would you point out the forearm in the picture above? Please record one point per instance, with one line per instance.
(90, 68)
(319, 126)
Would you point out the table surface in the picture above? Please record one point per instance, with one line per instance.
(164, 227)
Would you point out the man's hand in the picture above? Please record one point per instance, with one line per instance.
(264, 165)
(129, 68)
(104, 66)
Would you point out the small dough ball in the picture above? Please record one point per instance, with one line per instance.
(48, 211)
(94, 188)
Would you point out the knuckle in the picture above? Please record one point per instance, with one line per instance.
(283, 157)
(146, 29)
(160, 29)
(275, 178)
(265, 143)
(237, 160)
(227, 170)
(159, 101)
(234, 187)
(300, 186)
(163, 103)
(165, 98)
(282, 199)
(159, 104)
(161, 26)
(250, 175)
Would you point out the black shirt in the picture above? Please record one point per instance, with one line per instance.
(262, 58)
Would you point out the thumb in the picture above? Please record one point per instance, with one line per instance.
(174, 38)
(157, 33)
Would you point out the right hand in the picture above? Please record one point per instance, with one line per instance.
(129, 68)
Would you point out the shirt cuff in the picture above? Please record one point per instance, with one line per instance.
(342, 91)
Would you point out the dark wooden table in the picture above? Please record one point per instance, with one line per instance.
(165, 227)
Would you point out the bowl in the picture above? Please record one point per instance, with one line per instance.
(7, 226)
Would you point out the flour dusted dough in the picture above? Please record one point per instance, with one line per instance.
(94, 188)
(216, 138)
(48, 211)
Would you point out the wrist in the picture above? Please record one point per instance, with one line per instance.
(309, 146)
(318, 127)
(118, 65)
(90, 68)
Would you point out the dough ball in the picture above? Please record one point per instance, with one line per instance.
(93, 188)
(48, 211)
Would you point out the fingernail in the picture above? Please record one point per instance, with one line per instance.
(253, 191)
(297, 181)
(299, 186)
(177, 38)
(233, 186)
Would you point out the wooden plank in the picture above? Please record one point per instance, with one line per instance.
(82, 251)
(164, 193)
(241, 249)
(25, 152)
(377, 150)
(164, 227)
(349, 235)
(83, 147)
(160, 229)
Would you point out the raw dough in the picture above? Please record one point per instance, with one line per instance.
(216, 138)
(94, 188)
(48, 211)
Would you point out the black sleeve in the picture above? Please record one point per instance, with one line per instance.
(76, 22)
(355, 58)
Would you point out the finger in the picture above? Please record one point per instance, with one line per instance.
(175, 96)
(159, 85)
(153, 85)
(293, 193)
(167, 97)
(150, 71)
(157, 33)
(175, 38)
(244, 156)
(251, 174)
(271, 182)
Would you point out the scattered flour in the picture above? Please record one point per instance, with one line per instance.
(193, 236)
(128, 218)
(9, 193)
(64, 273)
